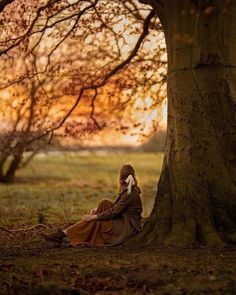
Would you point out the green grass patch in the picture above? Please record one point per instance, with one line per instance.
(61, 188)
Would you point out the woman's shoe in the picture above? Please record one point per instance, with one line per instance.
(55, 238)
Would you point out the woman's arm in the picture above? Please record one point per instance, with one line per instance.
(89, 217)
(117, 208)
(114, 211)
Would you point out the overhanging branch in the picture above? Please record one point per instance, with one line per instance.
(4, 3)
(94, 87)
(159, 7)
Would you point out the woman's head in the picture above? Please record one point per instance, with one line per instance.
(125, 171)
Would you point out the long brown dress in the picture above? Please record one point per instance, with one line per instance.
(115, 221)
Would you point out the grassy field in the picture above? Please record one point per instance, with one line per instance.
(60, 188)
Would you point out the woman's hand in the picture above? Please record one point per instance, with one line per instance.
(93, 211)
(89, 217)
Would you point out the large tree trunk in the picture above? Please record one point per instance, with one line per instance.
(196, 198)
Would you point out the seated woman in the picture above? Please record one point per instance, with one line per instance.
(110, 223)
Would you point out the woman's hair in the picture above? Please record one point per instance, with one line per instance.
(125, 171)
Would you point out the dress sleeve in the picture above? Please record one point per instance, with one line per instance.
(117, 208)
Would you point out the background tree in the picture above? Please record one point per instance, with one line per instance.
(38, 48)
(25, 115)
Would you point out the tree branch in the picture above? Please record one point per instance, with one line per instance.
(159, 7)
(28, 32)
(100, 84)
(4, 3)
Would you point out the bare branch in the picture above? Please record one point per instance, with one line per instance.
(94, 87)
(134, 51)
(28, 32)
(93, 109)
(4, 3)
(159, 7)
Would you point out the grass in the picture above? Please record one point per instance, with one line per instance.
(61, 188)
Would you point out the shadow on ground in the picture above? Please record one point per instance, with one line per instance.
(30, 265)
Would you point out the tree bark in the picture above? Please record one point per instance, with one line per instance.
(14, 165)
(196, 197)
(7, 175)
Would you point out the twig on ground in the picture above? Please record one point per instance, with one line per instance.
(23, 229)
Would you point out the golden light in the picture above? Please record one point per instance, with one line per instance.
(144, 110)
(5, 94)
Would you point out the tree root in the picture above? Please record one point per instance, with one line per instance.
(23, 229)
(231, 237)
(208, 236)
(182, 235)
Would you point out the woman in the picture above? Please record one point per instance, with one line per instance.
(109, 223)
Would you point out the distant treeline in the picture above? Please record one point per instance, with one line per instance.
(155, 143)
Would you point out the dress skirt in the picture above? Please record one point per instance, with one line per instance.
(92, 233)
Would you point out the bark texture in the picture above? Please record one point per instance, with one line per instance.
(196, 197)
(8, 167)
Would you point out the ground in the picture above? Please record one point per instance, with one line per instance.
(57, 190)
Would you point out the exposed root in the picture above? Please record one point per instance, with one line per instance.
(182, 235)
(141, 238)
(208, 236)
(23, 229)
(231, 237)
(163, 220)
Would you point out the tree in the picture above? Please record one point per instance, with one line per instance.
(23, 115)
(45, 47)
(196, 197)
